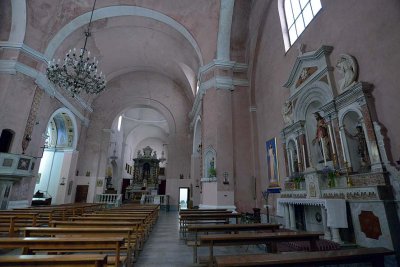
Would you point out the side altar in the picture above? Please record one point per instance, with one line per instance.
(337, 178)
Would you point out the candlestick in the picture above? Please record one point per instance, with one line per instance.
(298, 151)
(291, 161)
(331, 138)
(323, 149)
(304, 158)
(342, 143)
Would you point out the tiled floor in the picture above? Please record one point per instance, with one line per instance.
(165, 248)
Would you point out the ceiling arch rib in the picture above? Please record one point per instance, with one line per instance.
(126, 43)
(116, 11)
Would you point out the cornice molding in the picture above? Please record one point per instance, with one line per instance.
(26, 49)
(309, 56)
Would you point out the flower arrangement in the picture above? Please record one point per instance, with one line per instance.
(331, 176)
(297, 180)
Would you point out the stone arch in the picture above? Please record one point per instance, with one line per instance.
(144, 102)
(18, 21)
(315, 92)
(224, 31)
(71, 116)
(284, 27)
(197, 140)
(115, 11)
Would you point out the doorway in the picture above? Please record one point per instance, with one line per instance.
(81, 193)
(183, 198)
(6, 139)
(125, 183)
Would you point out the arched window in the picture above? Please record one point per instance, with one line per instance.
(6, 139)
(297, 15)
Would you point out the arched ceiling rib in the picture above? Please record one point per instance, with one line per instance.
(129, 38)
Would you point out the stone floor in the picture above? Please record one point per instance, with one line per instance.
(165, 248)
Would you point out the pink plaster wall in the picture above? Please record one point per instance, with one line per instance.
(243, 151)
(348, 27)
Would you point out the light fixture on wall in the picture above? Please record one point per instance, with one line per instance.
(78, 71)
(226, 181)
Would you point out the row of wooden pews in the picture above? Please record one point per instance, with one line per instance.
(118, 234)
(271, 235)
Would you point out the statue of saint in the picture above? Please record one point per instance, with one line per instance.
(322, 137)
(361, 145)
(347, 66)
(287, 112)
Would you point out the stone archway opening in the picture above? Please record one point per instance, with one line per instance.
(57, 166)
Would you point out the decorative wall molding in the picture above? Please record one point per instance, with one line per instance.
(217, 81)
(13, 66)
(26, 49)
(309, 56)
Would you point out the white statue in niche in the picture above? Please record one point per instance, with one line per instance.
(287, 112)
(347, 66)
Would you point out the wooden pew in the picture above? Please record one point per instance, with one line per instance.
(206, 228)
(67, 244)
(203, 211)
(140, 236)
(375, 256)
(186, 219)
(129, 233)
(258, 238)
(149, 219)
(78, 260)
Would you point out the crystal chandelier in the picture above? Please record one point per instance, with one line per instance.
(78, 72)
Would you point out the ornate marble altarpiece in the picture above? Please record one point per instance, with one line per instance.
(332, 145)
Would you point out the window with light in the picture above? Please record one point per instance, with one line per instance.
(298, 14)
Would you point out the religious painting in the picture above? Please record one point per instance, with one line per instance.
(272, 163)
(23, 164)
(7, 162)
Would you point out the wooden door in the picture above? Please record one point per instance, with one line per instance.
(125, 184)
(161, 187)
(81, 193)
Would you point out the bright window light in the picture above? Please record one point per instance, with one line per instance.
(119, 123)
(299, 13)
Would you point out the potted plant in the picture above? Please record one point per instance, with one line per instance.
(331, 178)
(297, 180)
(212, 172)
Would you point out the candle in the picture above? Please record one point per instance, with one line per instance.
(291, 161)
(331, 138)
(298, 151)
(304, 158)
(323, 150)
(342, 143)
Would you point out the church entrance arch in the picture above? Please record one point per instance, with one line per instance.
(56, 170)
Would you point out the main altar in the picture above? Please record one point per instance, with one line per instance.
(145, 174)
(334, 154)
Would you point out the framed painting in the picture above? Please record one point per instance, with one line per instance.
(272, 163)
